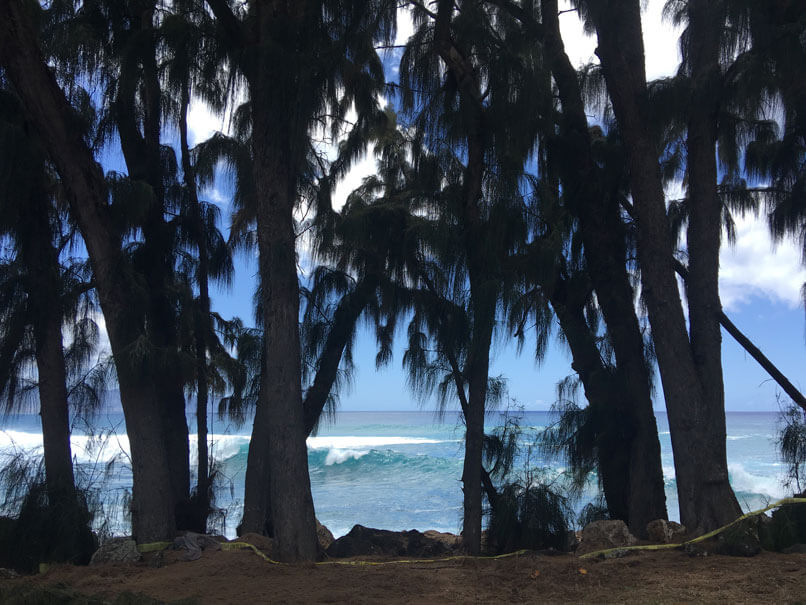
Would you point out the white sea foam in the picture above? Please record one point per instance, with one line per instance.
(220, 447)
(744, 481)
(337, 456)
(353, 442)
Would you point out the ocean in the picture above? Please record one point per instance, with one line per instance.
(389, 470)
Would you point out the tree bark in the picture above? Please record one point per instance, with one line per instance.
(605, 254)
(143, 155)
(201, 322)
(82, 178)
(278, 133)
(343, 324)
(702, 479)
(42, 263)
(601, 391)
(713, 498)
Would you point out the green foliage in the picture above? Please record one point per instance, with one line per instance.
(529, 512)
(44, 527)
(786, 528)
(792, 446)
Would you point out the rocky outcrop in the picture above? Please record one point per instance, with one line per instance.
(665, 532)
(603, 535)
(324, 536)
(116, 550)
(363, 541)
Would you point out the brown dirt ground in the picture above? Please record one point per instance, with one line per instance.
(242, 577)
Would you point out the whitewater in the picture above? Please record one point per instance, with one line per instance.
(391, 470)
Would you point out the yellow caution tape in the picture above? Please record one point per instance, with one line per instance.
(711, 534)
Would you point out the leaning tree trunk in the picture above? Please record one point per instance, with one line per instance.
(85, 187)
(600, 387)
(605, 254)
(698, 470)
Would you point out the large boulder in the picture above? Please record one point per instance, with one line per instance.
(194, 543)
(603, 535)
(786, 527)
(665, 532)
(739, 540)
(262, 543)
(116, 550)
(450, 541)
(363, 541)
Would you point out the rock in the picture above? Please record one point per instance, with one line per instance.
(194, 544)
(362, 541)
(324, 536)
(450, 541)
(739, 540)
(116, 550)
(665, 532)
(786, 527)
(602, 535)
(262, 543)
(8, 574)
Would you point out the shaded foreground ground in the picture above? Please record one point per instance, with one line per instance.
(243, 577)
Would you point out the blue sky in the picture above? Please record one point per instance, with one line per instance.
(760, 283)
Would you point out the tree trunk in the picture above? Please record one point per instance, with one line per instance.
(85, 187)
(601, 391)
(279, 415)
(202, 326)
(605, 254)
(698, 471)
(143, 155)
(713, 497)
(42, 263)
(279, 144)
(343, 324)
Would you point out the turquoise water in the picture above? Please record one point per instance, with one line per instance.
(392, 470)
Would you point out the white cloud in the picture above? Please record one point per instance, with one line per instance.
(405, 25)
(202, 123)
(360, 170)
(660, 40)
(754, 268)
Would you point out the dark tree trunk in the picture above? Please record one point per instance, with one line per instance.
(601, 390)
(201, 323)
(143, 155)
(279, 416)
(343, 324)
(279, 139)
(82, 178)
(701, 477)
(605, 254)
(42, 262)
(711, 497)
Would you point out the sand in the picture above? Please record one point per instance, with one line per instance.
(243, 577)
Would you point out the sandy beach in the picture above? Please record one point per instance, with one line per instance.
(243, 577)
